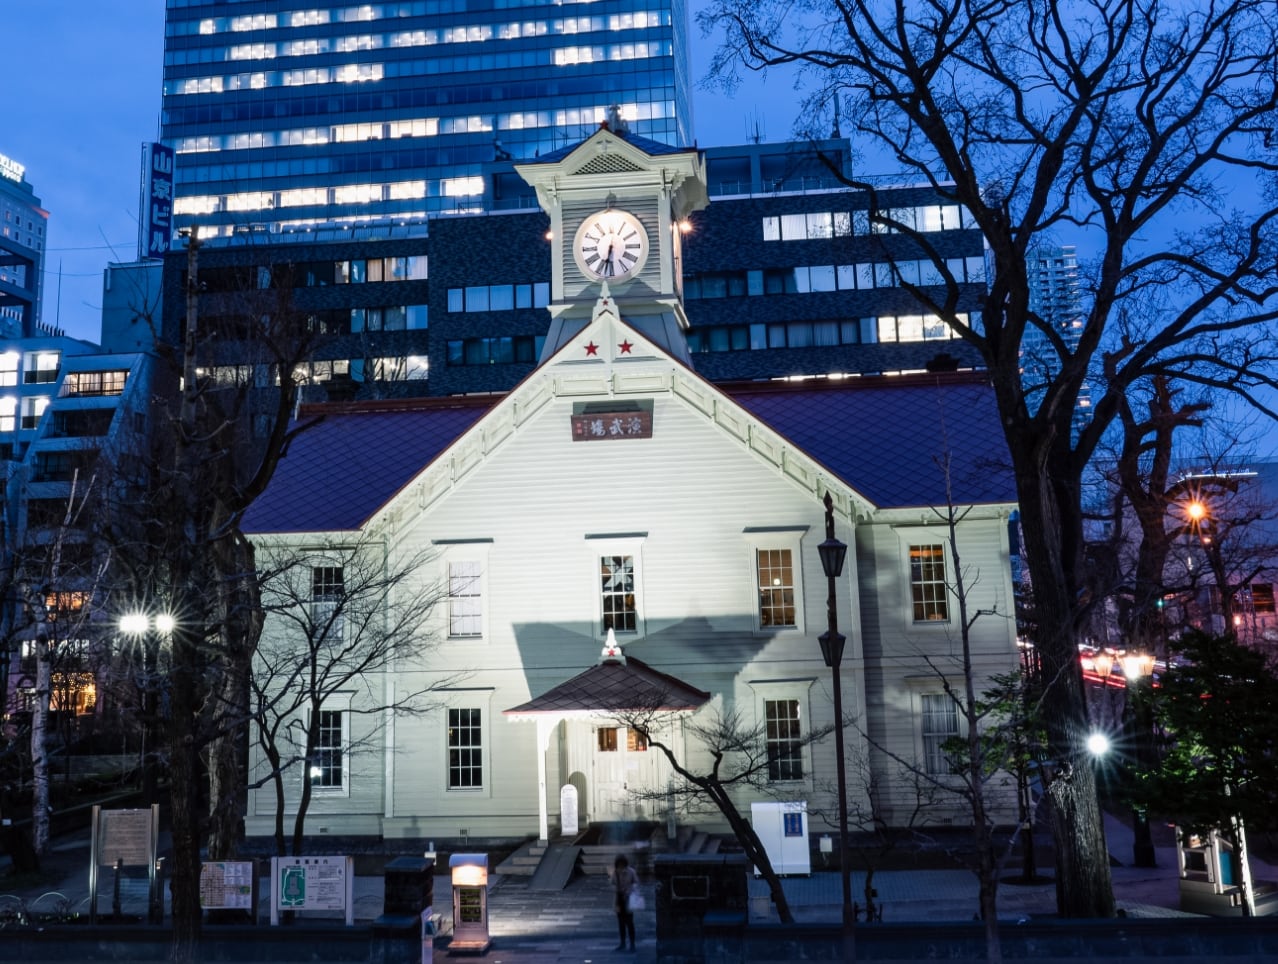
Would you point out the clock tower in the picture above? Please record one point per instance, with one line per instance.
(617, 203)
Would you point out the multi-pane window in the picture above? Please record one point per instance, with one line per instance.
(940, 723)
(497, 350)
(8, 369)
(928, 590)
(465, 749)
(464, 600)
(499, 297)
(327, 770)
(607, 739)
(328, 585)
(776, 587)
(784, 734)
(617, 589)
(94, 383)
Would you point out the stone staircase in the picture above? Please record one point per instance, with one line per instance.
(599, 850)
(524, 861)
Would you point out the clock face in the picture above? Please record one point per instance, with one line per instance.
(611, 245)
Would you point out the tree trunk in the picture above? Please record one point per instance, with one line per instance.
(755, 852)
(989, 900)
(40, 740)
(241, 619)
(277, 781)
(1084, 888)
(184, 795)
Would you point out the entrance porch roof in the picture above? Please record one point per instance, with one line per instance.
(612, 686)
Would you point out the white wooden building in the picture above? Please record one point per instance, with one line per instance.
(615, 489)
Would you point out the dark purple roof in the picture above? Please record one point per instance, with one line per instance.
(646, 144)
(339, 472)
(886, 437)
(613, 686)
(882, 436)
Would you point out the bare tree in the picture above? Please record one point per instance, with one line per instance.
(1142, 127)
(737, 759)
(340, 617)
(221, 421)
(53, 590)
(870, 833)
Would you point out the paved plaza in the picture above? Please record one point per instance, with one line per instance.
(577, 924)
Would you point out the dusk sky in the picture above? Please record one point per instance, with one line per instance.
(82, 85)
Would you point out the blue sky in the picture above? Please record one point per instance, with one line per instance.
(82, 93)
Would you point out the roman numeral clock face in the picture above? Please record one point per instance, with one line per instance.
(611, 246)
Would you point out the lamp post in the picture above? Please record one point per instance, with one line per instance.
(142, 626)
(833, 553)
(1138, 668)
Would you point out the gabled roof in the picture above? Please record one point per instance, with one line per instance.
(615, 686)
(884, 437)
(646, 144)
(343, 469)
(888, 437)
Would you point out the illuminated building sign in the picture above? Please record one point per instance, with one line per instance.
(157, 201)
(11, 169)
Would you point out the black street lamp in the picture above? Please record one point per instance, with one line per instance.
(833, 553)
(1138, 670)
(150, 631)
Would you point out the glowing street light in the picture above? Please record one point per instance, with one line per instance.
(1097, 744)
(142, 626)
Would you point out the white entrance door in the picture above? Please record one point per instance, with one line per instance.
(623, 769)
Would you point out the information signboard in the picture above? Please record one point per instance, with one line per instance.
(227, 885)
(123, 847)
(312, 883)
(124, 836)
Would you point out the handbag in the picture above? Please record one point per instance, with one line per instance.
(634, 901)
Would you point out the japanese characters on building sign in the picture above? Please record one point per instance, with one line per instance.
(157, 200)
(11, 169)
(598, 426)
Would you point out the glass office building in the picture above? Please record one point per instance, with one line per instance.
(287, 116)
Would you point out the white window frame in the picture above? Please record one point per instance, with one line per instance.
(601, 546)
(933, 704)
(336, 703)
(798, 690)
(475, 699)
(909, 537)
(767, 538)
(464, 551)
(318, 615)
(465, 599)
(931, 686)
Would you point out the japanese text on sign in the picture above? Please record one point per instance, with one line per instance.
(157, 201)
(599, 426)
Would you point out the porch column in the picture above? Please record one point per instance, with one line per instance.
(545, 727)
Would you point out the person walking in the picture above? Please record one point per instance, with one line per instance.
(626, 882)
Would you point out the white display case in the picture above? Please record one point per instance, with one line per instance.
(783, 831)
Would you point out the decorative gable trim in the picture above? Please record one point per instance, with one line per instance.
(608, 164)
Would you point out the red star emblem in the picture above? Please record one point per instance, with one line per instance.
(592, 349)
(625, 347)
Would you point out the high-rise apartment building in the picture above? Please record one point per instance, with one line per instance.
(288, 115)
(22, 240)
(1056, 297)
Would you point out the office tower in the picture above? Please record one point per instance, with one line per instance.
(288, 115)
(22, 239)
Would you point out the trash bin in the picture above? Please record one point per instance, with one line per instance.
(405, 933)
